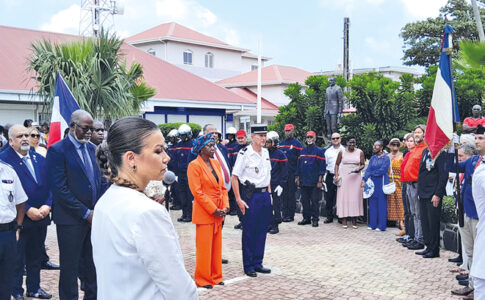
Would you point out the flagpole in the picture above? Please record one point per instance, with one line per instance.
(258, 105)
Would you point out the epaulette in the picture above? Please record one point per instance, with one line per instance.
(243, 150)
(6, 164)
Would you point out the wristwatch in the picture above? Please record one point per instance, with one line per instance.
(20, 227)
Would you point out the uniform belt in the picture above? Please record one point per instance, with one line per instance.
(261, 190)
(12, 226)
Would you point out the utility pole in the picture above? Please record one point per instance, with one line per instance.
(346, 71)
(478, 21)
(98, 14)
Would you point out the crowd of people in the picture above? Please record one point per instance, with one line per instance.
(120, 243)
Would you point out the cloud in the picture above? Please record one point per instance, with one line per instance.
(65, 21)
(176, 10)
(350, 5)
(423, 9)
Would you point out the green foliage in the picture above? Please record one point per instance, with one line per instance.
(167, 127)
(422, 39)
(98, 78)
(471, 55)
(448, 214)
(384, 109)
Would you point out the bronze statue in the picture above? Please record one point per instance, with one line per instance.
(334, 105)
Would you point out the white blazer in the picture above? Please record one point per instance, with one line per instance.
(478, 189)
(136, 249)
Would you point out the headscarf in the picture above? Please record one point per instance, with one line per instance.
(201, 141)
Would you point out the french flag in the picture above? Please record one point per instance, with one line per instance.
(64, 106)
(444, 109)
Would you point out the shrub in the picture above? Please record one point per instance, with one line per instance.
(448, 214)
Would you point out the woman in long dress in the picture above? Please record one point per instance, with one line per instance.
(135, 247)
(347, 178)
(395, 209)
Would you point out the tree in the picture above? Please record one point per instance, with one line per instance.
(422, 39)
(385, 108)
(99, 79)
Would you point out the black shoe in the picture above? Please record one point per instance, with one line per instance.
(431, 255)
(225, 261)
(401, 240)
(458, 259)
(263, 270)
(19, 297)
(314, 223)
(221, 283)
(327, 221)
(41, 294)
(207, 286)
(184, 220)
(50, 266)
(274, 230)
(424, 252)
(304, 222)
(251, 273)
(288, 219)
(464, 282)
(416, 246)
(175, 207)
(233, 213)
(238, 226)
(462, 277)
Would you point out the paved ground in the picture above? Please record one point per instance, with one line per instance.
(327, 262)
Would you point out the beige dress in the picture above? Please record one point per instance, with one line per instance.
(349, 193)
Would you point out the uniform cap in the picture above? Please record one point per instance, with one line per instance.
(241, 133)
(231, 130)
(259, 128)
(311, 133)
(289, 127)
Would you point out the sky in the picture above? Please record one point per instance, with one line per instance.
(307, 34)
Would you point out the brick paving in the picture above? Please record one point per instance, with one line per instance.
(327, 262)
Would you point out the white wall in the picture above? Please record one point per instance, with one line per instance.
(273, 93)
(247, 62)
(17, 113)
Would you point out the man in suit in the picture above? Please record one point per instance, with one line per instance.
(76, 184)
(31, 170)
(334, 105)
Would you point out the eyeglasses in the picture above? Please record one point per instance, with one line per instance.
(35, 136)
(99, 130)
(336, 138)
(85, 129)
(22, 135)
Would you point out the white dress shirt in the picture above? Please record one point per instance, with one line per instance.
(136, 249)
(11, 193)
(478, 189)
(331, 155)
(254, 167)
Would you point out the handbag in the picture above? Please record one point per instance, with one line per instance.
(390, 187)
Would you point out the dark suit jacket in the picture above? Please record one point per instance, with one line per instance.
(37, 192)
(225, 153)
(71, 188)
(432, 182)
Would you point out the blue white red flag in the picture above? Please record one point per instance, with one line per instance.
(64, 105)
(444, 109)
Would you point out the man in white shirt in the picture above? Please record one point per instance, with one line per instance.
(478, 188)
(330, 158)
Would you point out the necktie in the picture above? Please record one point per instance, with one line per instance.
(25, 159)
(226, 173)
(87, 161)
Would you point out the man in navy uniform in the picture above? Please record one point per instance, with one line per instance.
(172, 140)
(309, 175)
(12, 202)
(183, 156)
(32, 171)
(291, 147)
(231, 150)
(279, 175)
(251, 177)
(242, 142)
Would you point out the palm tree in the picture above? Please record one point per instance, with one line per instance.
(471, 55)
(99, 79)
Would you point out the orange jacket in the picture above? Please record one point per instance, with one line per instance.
(208, 193)
(411, 169)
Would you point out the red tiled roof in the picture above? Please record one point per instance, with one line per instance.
(274, 74)
(248, 94)
(173, 30)
(169, 81)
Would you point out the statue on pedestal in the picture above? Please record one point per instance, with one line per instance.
(334, 105)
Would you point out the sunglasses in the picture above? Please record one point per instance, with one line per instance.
(22, 135)
(395, 145)
(35, 136)
(85, 129)
(99, 130)
(336, 138)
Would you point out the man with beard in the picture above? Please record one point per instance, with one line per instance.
(31, 170)
(76, 184)
(98, 134)
(331, 155)
(291, 147)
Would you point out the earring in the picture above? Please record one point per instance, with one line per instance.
(133, 168)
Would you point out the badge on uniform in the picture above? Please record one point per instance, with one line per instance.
(256, 170)
(429, 164)
(10, 196)
(7, 181)
(291, 147)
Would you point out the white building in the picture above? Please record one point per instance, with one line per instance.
(393, 73)
(202, 55)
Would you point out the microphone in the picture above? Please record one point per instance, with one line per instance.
(169, 178)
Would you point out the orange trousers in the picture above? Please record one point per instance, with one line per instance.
(208, 254)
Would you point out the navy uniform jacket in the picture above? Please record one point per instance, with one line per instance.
(172, 164)
(37, 191)
(467, 167)
(235, 153)
(432, 182)
(72, 190)
(311, 164)
(291, 148)
(231, 152)
(279, 168)
(183, 156)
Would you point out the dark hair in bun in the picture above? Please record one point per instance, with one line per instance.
(126, 134)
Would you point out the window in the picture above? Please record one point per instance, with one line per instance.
(209, 60)
(254, 67)
(187, 57)
(152, 52)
